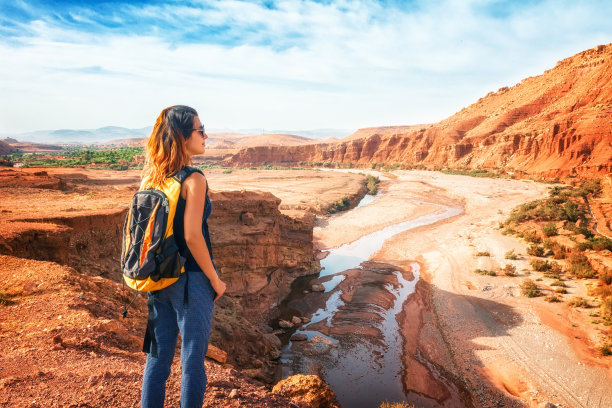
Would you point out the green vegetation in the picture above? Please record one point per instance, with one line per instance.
(118, 158)
(535, 250)
(558, 282)
(509, 270)
(511, 255)
(472, 173)
(606, 350)
(540, 265)
(561, 290)
(550, 229)
(530, 289)
(578, 301)
(372, 184)
(580, 266)
(596, 244)
(227, 171)
(485, 272)
(340, 205)
(552, 298)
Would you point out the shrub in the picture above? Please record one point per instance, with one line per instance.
(558, 251)
(580, 266)
(560, 290)
(485, 272)
(572, 213)
(372, 184)
(227, 171)
(530, 289)
(483, 253)
(340, 205)
(606, 276)
(535, 250)
(539, 265)
(509, 270)
(511, 255)
(558, 282)
(531, 237)
(578, 301)
(550, 229)
(552, 298)
(600, 243)
(606, 350)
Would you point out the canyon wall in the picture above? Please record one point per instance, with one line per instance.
(258, 251)
(551, 125)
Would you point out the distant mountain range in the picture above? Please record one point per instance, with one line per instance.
(110, 133)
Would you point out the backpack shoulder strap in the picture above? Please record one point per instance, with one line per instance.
(186, 172)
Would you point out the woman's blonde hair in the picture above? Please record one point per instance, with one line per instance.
(165, 153)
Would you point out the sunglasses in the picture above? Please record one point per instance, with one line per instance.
(200, 130)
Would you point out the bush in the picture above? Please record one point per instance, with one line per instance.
(580, 266)
(535, 250)
(552, 298)
(578, 301)
(550, 229)
(227, 171)
(509, 270)
(606, 350)
(530, 289)
(558, 282)
(340, 205)
(511, 255)
(558, 251)
(485, 272)
(560, 290)
(372, 184)
(539, 265)
(572, 213)
(483, 253)
(531, 237)
(606, 276)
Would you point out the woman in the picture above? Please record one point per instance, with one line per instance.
(187, 305)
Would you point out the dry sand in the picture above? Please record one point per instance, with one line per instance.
(508, 350)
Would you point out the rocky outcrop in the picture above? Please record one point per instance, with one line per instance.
(258, 250)
(551, 125)
(307, 389)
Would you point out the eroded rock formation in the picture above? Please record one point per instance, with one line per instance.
(550, 125)
(258, 250)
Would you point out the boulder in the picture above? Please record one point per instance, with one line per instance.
(309, 389)
(215, 353)
(296, 320)
(285, 324)
(299, 337)
(317, 288)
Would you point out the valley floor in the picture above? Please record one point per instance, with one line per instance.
(503, 348)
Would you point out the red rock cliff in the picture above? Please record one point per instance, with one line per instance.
(550, 125)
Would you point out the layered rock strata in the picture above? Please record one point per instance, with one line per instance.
(551, 125)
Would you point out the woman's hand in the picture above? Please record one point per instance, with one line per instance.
(219, 287)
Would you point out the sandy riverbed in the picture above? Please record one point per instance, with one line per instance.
(505, 349)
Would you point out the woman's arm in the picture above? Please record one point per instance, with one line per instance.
(193, 191)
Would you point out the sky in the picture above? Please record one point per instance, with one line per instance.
(275, 64)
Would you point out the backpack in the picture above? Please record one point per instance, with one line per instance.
(150, 258)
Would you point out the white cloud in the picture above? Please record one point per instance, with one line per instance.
(302, 65)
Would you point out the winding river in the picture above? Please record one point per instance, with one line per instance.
(362, 369)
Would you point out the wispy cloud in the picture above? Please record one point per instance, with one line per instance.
(281, 64)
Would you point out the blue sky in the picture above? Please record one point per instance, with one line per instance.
(276, 64)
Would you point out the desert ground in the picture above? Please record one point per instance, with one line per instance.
(502, 348)
(508, 350)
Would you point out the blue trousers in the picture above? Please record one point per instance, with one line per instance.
(171, 312)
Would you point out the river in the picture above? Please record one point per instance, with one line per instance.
(355, 344)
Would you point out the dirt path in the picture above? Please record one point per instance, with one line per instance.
(507, 350)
